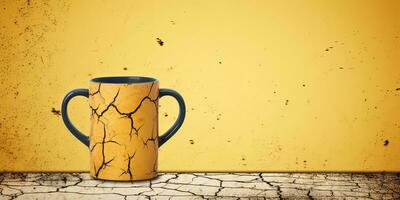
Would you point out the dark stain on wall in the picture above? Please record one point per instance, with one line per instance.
(56, 112)
(16, 94)
(219, 116)
(160, 42)
(386, 142)
(325, 162)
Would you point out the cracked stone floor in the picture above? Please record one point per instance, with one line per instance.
(203, 186)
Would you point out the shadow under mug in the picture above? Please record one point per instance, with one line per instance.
(123, 139)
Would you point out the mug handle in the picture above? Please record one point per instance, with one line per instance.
(77, 92)
(181, 117)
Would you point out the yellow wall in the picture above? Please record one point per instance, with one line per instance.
(296, 85)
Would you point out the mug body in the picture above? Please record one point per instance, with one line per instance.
(124, 128)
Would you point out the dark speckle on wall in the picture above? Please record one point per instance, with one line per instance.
(325, 163)
(287, 102)
(397, 89)
(386, 142)
(160, 42)
(191, 141)
(125, 68)
(341, 68)
(165, 114)
(56, 112)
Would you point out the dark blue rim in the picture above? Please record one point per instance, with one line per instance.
(124, 79)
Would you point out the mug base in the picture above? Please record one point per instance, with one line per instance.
(141, 178)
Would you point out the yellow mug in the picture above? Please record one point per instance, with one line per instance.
(123, 139)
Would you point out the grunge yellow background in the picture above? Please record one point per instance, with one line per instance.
(269, 85)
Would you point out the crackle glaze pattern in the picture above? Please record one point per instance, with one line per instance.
(124, 130)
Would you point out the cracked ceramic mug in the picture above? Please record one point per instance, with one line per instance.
(123, 139)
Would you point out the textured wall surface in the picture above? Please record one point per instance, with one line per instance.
(269, 86)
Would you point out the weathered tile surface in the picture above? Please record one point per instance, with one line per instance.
(203, 186)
